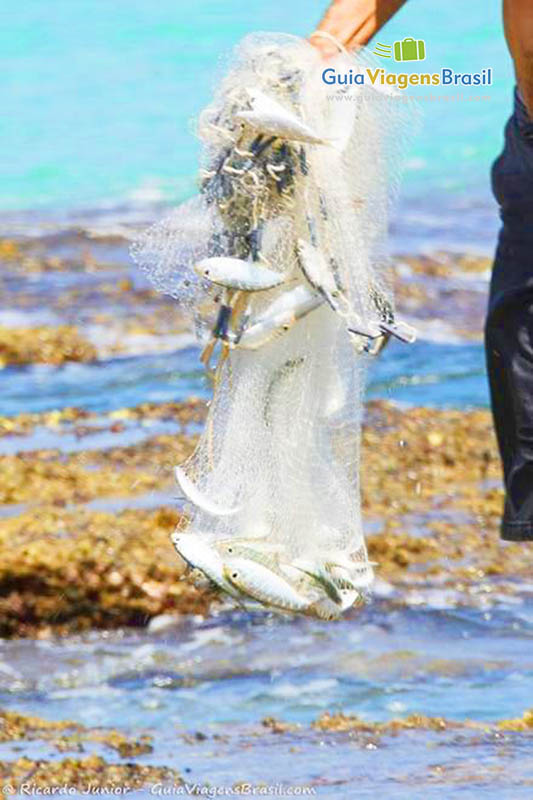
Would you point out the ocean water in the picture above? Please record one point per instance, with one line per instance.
(97, 100)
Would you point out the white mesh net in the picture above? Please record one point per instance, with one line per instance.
(282, 259)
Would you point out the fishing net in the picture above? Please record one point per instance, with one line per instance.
(282, 262)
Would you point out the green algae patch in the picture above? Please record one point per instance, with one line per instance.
(45, 345)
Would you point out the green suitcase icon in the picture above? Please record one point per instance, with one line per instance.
(410, 50)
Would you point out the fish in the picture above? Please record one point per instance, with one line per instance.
(249, 551)
(199, 555)
(321, 578)
(322, 278)
(315, 269)
(279, 317)
(236, 546)
(326, 609)
(349, 597)
(349, 574)
(269, 117)
(261, 584)
(192, 493)
(235, 273)
(278, 378)
(319, 275)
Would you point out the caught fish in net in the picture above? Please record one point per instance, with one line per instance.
(282, 262)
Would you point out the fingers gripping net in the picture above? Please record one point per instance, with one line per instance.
(282, 257)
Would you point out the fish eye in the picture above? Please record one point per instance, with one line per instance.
(234, 575)
(206, 272)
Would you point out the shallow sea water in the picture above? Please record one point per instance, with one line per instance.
(202, 687)
(107, 150)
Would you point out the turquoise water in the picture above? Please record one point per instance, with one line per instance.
(97, 100)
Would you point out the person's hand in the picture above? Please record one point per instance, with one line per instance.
(352, 23)
(325, 46)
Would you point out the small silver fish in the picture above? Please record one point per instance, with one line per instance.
(199, 555)
(248, 548)
(315, 269)
(318, 274)
(351, 576)
(232, 550)
(349, 597)
(326, 609)
(196, 497)
(279, 317)
(321, 578)
(260, 583)
(271, 118)
(235, 273)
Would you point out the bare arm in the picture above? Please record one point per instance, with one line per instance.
(354, 22)
(518, 22)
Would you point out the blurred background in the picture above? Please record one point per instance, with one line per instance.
(101, 394)
(97, 100)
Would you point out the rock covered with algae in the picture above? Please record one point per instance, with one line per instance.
(68, 735)
(64, 572)
(87, 775)
(429, 482)
(31, 776)
(44, 345)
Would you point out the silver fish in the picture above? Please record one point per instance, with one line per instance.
(319, 275)
(260, 583)
(199, 555)
(196, 497)
(350, 574)
(235, 273)
(326, 609)
(316, 271)
(280, 375)
(271, 118)
(321, 578)
(279, 317)
(231, 550)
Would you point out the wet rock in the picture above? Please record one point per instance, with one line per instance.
(46, 345)
(93, 772)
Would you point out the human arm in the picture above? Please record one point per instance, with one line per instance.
(354, 22)
(518, 23)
